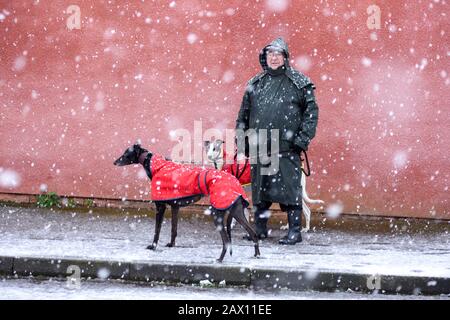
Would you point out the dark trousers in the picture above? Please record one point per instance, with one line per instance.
(265, 205)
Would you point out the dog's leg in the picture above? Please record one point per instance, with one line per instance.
(160, 209)
(247, 216)
(237, 211)
(307, 214)
(233, 223)
(173, 234)
(229, 227)
(218, 222)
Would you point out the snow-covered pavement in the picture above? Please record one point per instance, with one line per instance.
(32, 232)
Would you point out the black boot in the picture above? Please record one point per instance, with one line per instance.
(295, 222)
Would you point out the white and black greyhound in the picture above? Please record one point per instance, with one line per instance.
(216, 156)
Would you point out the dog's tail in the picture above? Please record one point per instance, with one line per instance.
(305, 195)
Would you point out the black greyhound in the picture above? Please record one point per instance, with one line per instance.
(136, 154)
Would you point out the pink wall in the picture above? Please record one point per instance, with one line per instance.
(72, 100)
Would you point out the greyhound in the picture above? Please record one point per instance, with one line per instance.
(227, 195)
(216, 155)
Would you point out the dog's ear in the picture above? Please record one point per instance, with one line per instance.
(138, 149)
(206, 144)
(218, 144)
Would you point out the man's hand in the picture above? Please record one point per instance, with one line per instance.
(298, 150)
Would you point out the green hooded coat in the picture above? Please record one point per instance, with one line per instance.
(280, 99)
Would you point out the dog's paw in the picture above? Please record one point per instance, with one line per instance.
(305, 229)
(152, 246)
(170, 245)
(284, 227)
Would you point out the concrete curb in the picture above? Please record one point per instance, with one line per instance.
(189, 273)
(6, 265)
(256, 278)
(343, 281)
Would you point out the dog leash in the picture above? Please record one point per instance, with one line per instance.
(307, 163)
(238, 174)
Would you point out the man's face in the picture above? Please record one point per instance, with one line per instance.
(275, 58)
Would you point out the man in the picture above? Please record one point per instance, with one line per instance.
(282, 98)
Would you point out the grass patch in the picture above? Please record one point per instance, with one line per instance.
(48, 200)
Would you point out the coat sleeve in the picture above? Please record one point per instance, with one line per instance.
(310, 118)
(242, 121)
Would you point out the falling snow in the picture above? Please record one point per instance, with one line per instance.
(71, 100)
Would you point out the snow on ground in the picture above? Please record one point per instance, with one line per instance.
(31, 289)
(42, 233)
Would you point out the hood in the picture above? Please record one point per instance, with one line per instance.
(279, 43)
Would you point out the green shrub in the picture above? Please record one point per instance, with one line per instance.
(89, 203)
(48, 200)
(71, 203)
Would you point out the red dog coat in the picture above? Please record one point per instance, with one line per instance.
(240, 170)
(173, 181)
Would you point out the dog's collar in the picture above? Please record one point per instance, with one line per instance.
(147, 165)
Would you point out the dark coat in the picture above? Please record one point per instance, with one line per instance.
(280, 99)
(172, 181)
